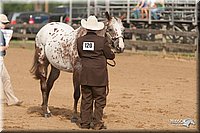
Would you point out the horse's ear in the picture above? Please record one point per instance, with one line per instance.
(108, 15)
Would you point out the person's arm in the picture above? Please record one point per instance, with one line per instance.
(136, 5)
(2, 48)
(142, 4)
(109, 54)
(3, 45)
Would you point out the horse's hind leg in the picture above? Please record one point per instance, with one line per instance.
(54, 74)
(76, 83)
(42, 69)
(39, 69)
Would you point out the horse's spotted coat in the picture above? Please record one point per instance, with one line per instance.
(56, 42)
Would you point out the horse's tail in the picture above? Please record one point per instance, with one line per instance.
(35, 67)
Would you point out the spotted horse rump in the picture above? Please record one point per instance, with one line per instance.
(57, 42)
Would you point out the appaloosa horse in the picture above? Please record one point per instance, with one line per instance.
(56, 45)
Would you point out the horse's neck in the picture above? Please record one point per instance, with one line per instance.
(101, 32)
(82, 31)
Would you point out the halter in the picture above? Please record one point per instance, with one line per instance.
(112, 38)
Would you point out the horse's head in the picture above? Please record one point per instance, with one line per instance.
(114, 32)
(187, 122)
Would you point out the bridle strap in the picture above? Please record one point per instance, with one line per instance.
(110, 37)
(119, 37)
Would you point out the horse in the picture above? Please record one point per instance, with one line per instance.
(55, 45)
(187, 122)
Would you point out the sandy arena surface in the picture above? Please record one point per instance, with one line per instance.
(146, 93)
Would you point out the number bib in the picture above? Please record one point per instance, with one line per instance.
(88, 46)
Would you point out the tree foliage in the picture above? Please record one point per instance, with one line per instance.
(23, 7)
(17, 7)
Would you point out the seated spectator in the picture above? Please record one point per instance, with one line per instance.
(124, 22)
(156, 6)
(67, 20)
(140, 7)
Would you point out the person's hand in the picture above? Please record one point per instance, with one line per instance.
(2, 48)
(113, 50)
(7, 46)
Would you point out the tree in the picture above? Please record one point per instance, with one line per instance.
(23, 7)
(17, 7)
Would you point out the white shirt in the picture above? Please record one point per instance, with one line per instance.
(151, 2)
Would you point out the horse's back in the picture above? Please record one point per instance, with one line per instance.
(50, 29)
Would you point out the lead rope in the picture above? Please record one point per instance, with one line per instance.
(107, 87)
(112, 65)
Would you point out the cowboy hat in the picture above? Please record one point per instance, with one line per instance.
(4, 19)
(92, 23)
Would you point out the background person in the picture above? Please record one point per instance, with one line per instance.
(156, 6)
(94, 51)
(5, 83)
(142, 8)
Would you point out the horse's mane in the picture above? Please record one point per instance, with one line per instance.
(103, 31)
(82, 31)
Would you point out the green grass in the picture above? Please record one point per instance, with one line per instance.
(22, 44)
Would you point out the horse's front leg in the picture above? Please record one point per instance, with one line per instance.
(45, 108)
(76, 83)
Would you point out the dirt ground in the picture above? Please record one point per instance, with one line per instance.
(146, 93)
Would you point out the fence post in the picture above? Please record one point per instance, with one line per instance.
(164, 41)
(134, 47)
(24, 38)
(197, 47)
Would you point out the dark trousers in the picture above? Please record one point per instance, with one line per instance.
(92, 95)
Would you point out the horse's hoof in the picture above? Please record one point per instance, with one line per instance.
(74, 119)
(47, 115)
